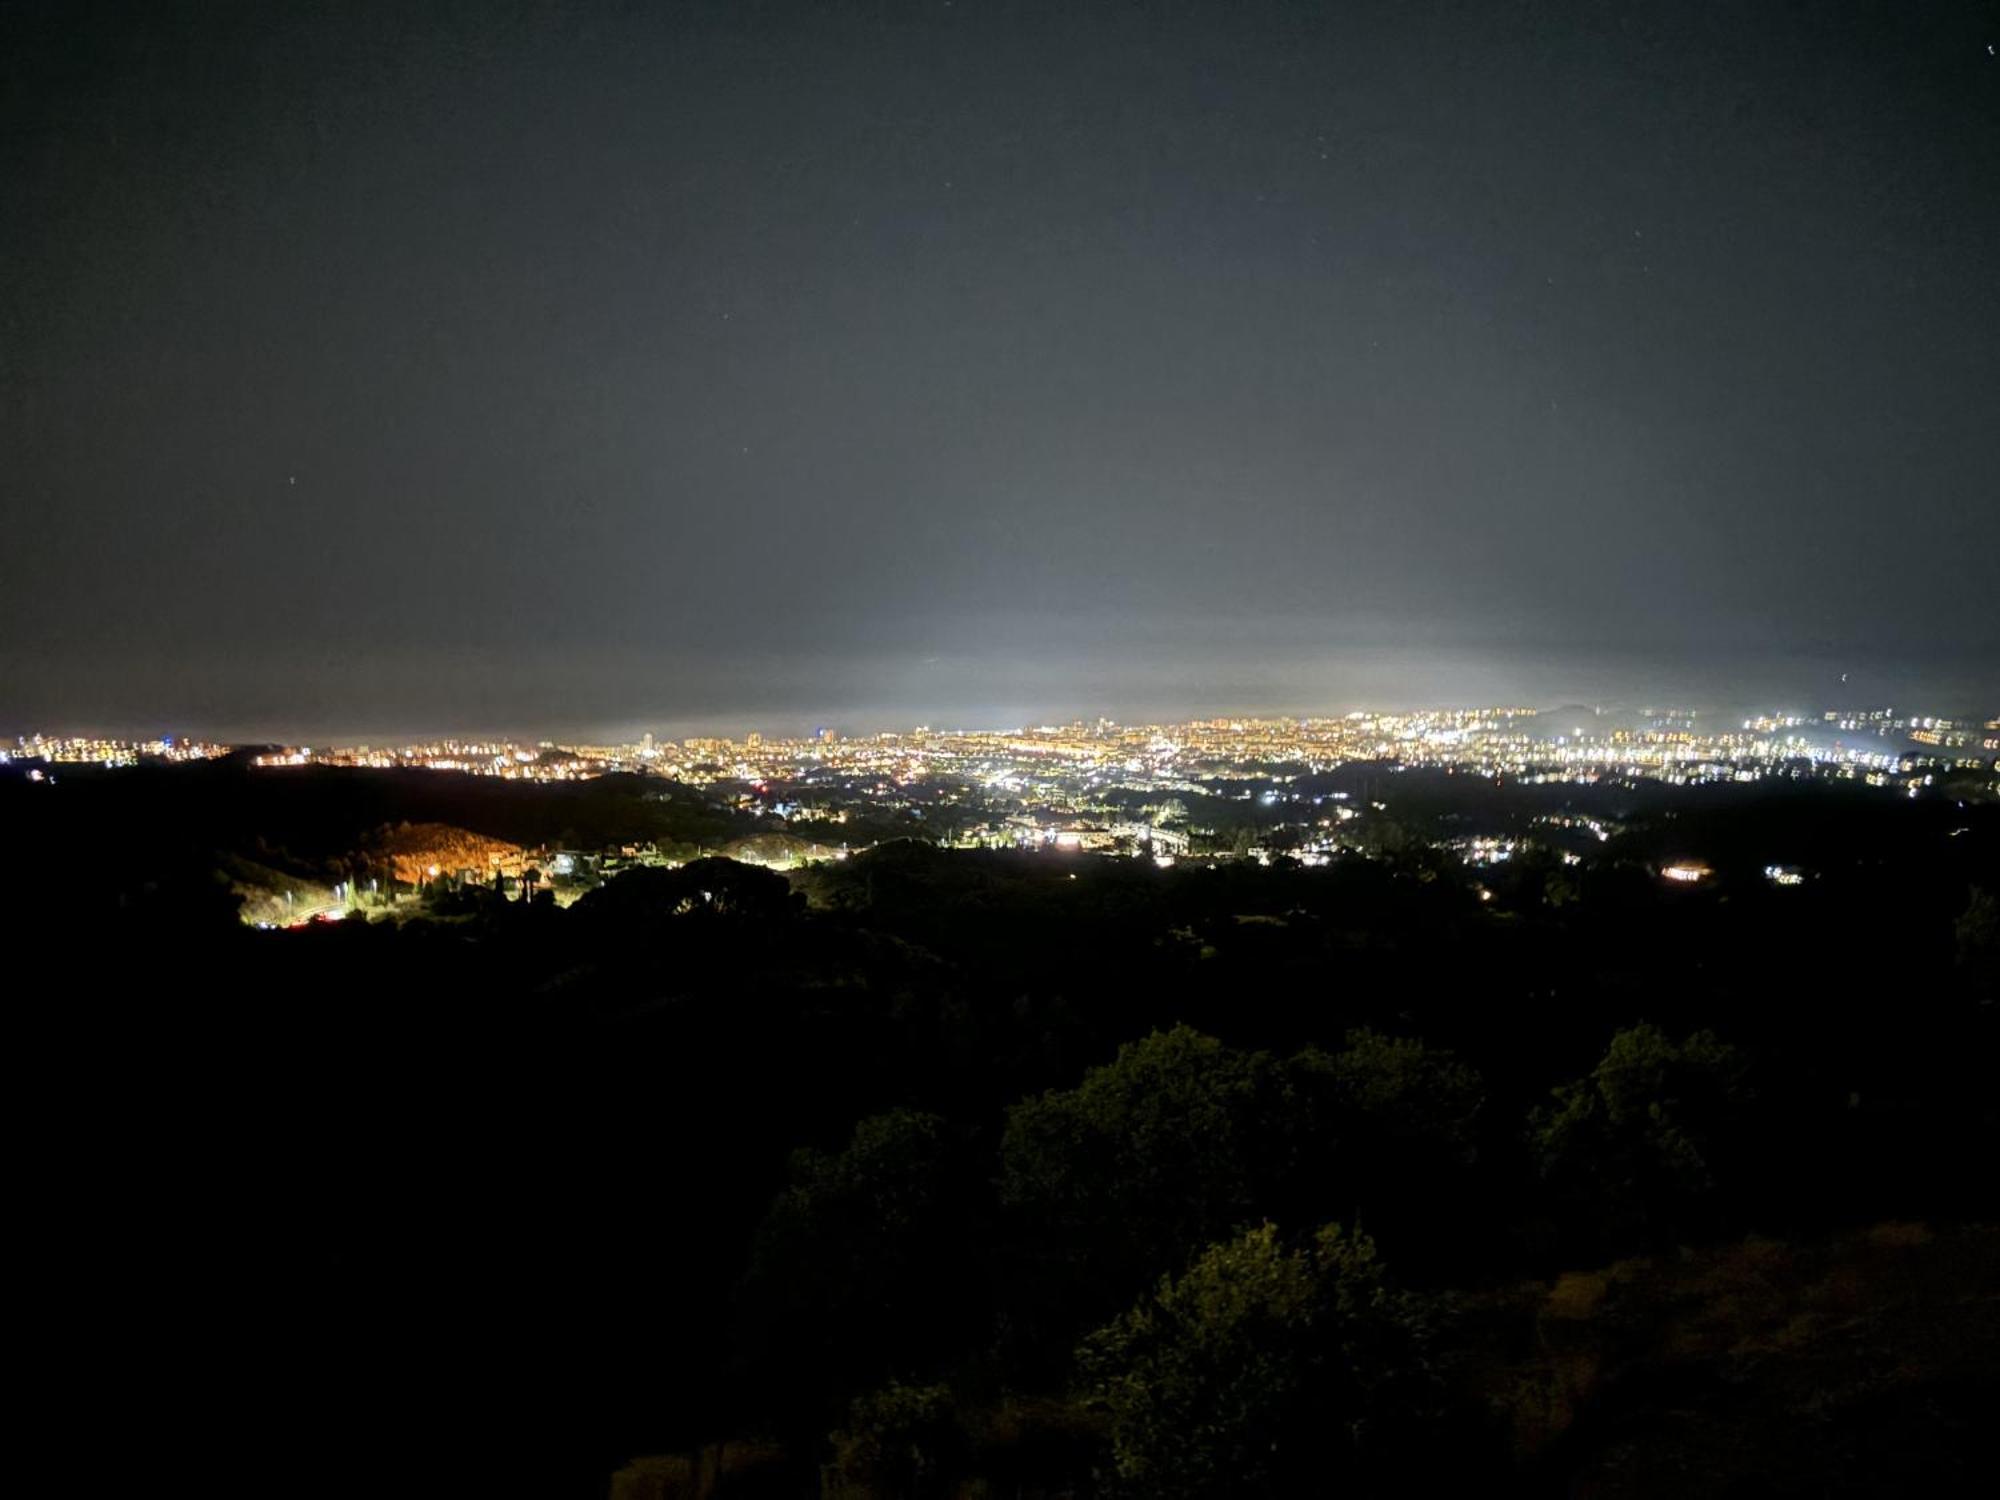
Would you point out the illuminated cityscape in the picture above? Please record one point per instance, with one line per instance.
(103, 751)
(1052, 766)
(1305, 789)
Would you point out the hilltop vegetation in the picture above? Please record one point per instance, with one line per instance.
(932, 1170)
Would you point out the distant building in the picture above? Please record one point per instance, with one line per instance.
(1149, 837)
(573, 864)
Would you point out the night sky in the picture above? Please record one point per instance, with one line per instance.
(381, 369)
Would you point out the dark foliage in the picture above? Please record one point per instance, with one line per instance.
(846, 1169)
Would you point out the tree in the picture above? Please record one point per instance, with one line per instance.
(857, 1268)
(1263, 1370)
(1389, 1136)
(1175, 1143)
(1404, 1093)
(1978, 933)
(713, 887)
(1645, 1140)
(901, 1442)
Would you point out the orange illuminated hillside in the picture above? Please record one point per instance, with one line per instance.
(417, 852)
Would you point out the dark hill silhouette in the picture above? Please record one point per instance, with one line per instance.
(470, 1202)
